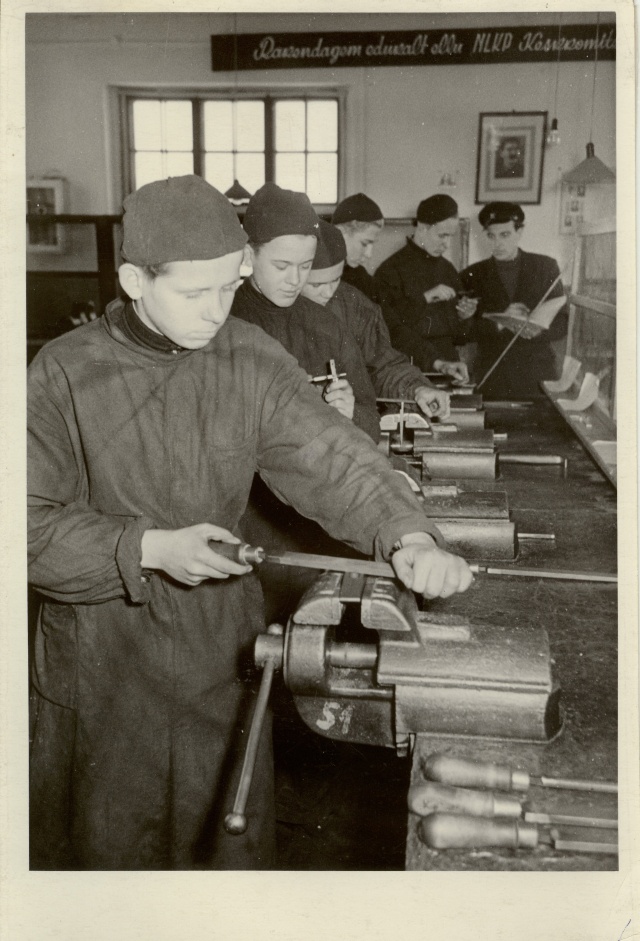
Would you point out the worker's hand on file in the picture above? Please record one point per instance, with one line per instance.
(458, 370)
(186, 556)
(433, 402)
(339, 394)
(424, 568)
(442, 292)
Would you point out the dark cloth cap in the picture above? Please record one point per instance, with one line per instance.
(436, 209)
(273, 212)
(180, 219)
(332, 248)
(499, 213)
(358, 208)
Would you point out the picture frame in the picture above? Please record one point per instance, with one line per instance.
(46, 196)
(510, 156)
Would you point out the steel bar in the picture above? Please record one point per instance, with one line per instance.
(602, 823)
(511, 342)
(545, 573)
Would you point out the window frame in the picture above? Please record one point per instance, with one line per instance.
(126, 96)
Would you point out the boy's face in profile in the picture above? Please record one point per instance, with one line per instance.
(188, 301)
(322, 284)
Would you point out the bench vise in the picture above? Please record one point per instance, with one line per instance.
(365, 665)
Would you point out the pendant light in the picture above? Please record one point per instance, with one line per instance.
(553, 137)
(591, 170)
(236, 194)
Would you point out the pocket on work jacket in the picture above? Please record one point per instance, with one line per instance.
(56, 653)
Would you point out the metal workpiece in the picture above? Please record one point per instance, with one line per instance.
(365, 665)
(460, 465)
(465, 400)
(487, 539)
(471, 419)
(464, 499)
(449, 438)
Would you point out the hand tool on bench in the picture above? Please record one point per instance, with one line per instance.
(255, 555)
(431, 797)
(485, 774)
(455, 831)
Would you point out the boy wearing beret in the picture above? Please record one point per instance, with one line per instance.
(513, 280)
(361, 221)
(283, 228)
(391, 372)
(419, 293)
(145, 429)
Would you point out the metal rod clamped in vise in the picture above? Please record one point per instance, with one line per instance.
(254, 555)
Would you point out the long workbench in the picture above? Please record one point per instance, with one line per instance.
(581, 621)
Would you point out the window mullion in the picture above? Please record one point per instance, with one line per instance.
(198, 137)
(269, 141)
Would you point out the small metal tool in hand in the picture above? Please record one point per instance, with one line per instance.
(332, 374)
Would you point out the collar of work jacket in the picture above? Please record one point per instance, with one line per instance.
(421, 251)
(117, 321)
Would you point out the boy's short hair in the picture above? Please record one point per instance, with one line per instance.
(155, 271)
(354, 226)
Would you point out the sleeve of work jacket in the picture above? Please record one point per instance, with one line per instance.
(351, 361)
(330, 472)
(391, 372)
(76, 555)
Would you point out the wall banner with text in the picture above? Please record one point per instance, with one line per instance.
(252, 51)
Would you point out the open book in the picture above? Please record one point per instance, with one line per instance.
(541, 317)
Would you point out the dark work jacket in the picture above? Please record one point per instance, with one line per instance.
(528, 361)
(140, 703)
(360, 278)
(313, 335)
(423, 331)
(391, 372)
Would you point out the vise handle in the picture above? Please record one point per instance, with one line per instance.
(236, 821)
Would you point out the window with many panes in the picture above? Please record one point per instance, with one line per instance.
(291, 141)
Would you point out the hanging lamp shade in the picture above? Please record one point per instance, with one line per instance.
(237, 194)
(591, 170)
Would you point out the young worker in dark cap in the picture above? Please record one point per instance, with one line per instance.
(419, 293)
(145, 430)
(361, 221)
(512, 280)
(283, 235)
(391, 372)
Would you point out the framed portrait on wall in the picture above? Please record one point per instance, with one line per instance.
(510, 156)
(45, 197)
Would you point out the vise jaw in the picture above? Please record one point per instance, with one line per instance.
(365, 665)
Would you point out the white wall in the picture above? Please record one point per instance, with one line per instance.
(404, 125)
